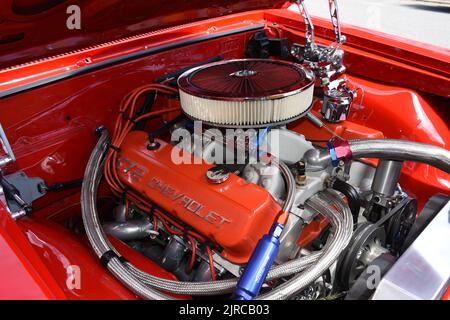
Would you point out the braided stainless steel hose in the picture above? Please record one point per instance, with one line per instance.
(94, 231)
(148, 286)
(342, 222)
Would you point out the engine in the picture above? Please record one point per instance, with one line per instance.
(234, 191)
(211, 177)
(232, 214)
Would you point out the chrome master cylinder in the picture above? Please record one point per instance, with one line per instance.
(337, 101)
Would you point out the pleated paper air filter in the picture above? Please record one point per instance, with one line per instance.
(246, 92)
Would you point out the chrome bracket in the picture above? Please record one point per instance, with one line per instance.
(334, 14)
(325, 61)
(310, 45)
(18, 191)
(8, 156)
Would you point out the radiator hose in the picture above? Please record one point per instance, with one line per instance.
(401, 150)
(390, 149)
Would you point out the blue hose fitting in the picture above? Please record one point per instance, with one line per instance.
(334, 158)
(256, 271)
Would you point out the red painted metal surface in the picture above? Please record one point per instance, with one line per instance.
(79, 60)
(51, 128)
(73, 266)
(234, 214)
(25, 24)
(446, 295)
(39, 256)
(23, 275)
(368, 53)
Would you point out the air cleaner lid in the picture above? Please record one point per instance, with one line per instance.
(246, 79)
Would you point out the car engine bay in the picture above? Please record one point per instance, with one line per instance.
(264, 172)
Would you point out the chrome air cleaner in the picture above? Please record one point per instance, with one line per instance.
(246, 92)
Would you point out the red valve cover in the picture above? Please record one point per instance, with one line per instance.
(234, 214)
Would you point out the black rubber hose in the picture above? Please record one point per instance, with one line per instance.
(354, 200)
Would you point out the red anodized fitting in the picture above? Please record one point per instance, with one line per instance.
(339, 150)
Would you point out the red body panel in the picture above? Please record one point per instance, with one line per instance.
(234, 214)
(51, 127)
(38, 257)
(33, 29)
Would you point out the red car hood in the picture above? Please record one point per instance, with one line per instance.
(31, 29)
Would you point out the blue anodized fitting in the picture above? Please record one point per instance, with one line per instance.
(256, 271)
(334, 158)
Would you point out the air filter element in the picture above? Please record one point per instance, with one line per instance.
(246, 93)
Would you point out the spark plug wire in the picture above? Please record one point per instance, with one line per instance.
(211, 263)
